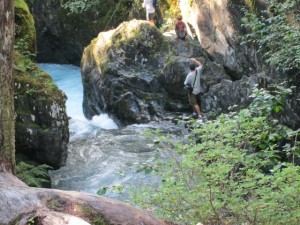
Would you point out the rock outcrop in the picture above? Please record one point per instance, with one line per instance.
(25, 205)
(136, 73)
(42, 131)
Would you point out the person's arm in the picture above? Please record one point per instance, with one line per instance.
(185, 27)
(197, 62)
(176, 26)
(187, 80)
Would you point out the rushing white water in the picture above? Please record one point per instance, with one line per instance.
(100, 155)
(68, 79)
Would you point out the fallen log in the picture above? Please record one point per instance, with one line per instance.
(22, 205)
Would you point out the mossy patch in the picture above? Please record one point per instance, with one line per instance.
(136, 34)
(88, 213)
(20, 4)
(128, 39)
(25, 37)
(31, 80)
(57, 205)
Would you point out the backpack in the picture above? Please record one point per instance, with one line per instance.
(180, 28)
(155, 3)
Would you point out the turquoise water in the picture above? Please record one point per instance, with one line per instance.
(102, 156)
(68, 79)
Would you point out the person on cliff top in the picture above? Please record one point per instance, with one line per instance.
(180, 28)
(193, 79)
(150, 10)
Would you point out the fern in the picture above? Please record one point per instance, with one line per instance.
(33, 176)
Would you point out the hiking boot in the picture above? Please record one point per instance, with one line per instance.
(195, 116)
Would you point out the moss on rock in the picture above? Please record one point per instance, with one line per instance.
(30, 80)
(25, 37)
(135, 37)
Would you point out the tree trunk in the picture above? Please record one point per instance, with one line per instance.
(51, 207)
(7, 128)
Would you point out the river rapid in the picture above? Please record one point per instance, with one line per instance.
(103, 158)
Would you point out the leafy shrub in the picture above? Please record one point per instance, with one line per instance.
(33, 176)
(276, 33)
(231, 172)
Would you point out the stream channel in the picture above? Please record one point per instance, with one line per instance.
(102, 157)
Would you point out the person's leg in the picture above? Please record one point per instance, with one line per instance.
(197, 109)
(151, 17)
(193, 102)
(198, 97)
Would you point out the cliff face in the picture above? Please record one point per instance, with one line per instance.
(64, 28)
(41, 121)
(56, 38)
(218, 26)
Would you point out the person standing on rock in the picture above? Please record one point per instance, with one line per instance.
(150, 10)
(180, 28)
(193, 79)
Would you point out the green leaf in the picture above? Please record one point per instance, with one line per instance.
(102, 191)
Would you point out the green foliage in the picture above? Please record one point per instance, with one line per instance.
(265, 102)
(22, 45)
(108, 15)
(99, 221)
(231, 171)
(94, 217)
(116, 188)
(276, 34)
(33, 176)
(30, 80)
(22, 5)
(77, 7)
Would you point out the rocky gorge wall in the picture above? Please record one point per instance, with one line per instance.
(213, 25)
(41, 121)
(231, 69)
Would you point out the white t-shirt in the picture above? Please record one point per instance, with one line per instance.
(148, 4)
(190, 80)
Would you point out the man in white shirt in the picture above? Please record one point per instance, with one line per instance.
(150, 10)
(193, 79)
